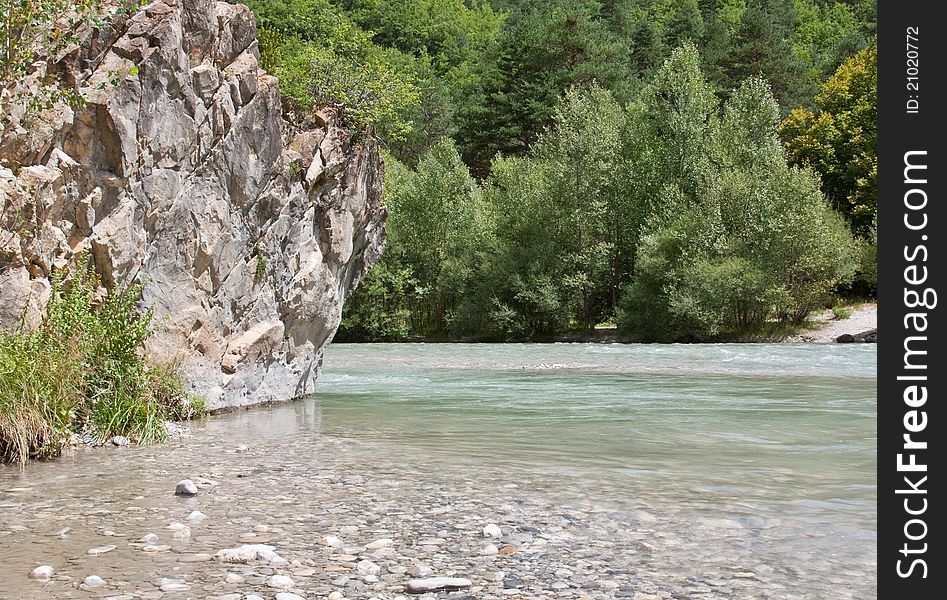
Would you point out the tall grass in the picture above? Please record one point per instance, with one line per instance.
(83, 370)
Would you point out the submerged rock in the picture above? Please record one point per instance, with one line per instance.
(43, 573)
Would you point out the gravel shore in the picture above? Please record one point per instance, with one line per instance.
(864, 318)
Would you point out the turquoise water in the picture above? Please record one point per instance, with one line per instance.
(780, 439)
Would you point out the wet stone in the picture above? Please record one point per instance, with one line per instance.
(185, 487)
(43, 573)
(434, 584)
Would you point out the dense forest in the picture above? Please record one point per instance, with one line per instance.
(685, 169)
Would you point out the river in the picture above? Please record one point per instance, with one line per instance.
(703, 472)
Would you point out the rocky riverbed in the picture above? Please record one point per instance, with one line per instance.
(321, 499)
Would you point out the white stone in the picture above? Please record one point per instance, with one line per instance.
(382, 543)
(280, 582)
(233, 578)
(332, 541)
(288, 596)
(492, 531)
(337, 595)
(196, 516)
(43, 572)
(101, 550)
(420, 571)
(247, 553)
(489, 550)
(367, 567)
(433, 584)
(93, 581)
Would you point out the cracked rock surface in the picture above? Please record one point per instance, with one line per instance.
(246, 221)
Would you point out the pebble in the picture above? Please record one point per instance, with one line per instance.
(247, 553)
(253, 597)
(44, 573)
(336, 596)
(148, 538)
(559, 585)
(242, 449)
(489, 550)
(197, 516)
(93, 581)
(288, 596)
(434, 584)
(181, 533)
(280, 582)
(382, 543)
(332, 541)
(233, 578)
(367, 567)
(120, 440)
(61, 533)
(101, 550)
(193, 558)
(420, 571)
(185, 487)
(492, 531)
(175, 586)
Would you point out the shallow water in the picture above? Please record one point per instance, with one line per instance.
(680, 471)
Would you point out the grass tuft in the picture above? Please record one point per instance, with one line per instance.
(84, 371)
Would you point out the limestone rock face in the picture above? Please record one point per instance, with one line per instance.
(246, 222)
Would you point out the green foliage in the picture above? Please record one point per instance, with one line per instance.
(543, 49)
(748, 240)
(83, 371)
(839, 141)
(322, 58)
(379, 311)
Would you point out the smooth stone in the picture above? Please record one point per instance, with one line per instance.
(367, 567)
(559, 585)
(246, 553)
(193, 558)
(280, 581)
(420, 571)
(177, 586)
(489, 550)
(279, 562)
(185, 487)
(152, 548)
(120, 440)
(332, 541)
(242, 449)
(61, 533)
(382, 543)
(196, 516)
(101, 550)
(149, 538)
(492, 531)
(371, 579)
(93, 581)
(233, 578)
(43, 572)
(253, 597)
(261, 528)
(181, 533)
(336, 596)
(288, 596)
(434, 584)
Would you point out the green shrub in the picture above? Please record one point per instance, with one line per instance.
(83, 370)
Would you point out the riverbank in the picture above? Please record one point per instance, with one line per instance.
(861, 321)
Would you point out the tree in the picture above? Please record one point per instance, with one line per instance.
(544, 48)
(762, 46)
(839, 139)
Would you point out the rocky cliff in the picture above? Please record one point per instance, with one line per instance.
(246, 223)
